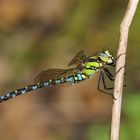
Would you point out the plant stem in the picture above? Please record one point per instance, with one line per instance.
(121, 55)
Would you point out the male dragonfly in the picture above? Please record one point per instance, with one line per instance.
(83, 68)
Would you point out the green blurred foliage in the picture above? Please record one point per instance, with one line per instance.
(129, 124)
(37, 35)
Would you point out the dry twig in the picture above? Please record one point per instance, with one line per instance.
(124, 29)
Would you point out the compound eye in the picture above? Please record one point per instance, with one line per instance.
(102, 54)
(103, 57)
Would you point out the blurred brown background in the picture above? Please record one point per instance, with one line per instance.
(36, 35)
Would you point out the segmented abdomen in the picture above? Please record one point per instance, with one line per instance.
(71, 79)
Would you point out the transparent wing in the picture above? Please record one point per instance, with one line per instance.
(80, 56)
(53, 74)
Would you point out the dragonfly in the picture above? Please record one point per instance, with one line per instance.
(80, 68)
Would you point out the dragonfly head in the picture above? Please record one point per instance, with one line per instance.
(106, 57)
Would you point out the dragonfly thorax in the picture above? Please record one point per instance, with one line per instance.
(92, 67)
(97, 62)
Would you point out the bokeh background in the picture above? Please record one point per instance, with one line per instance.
(37, 35)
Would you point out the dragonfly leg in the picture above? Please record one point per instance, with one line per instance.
(119, 70)
(109, 75)
(108, 72)
(114, 65)
(120, 55)
(122, 66)
(104, 84)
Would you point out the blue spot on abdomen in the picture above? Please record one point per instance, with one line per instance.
(46, 83)
(70, 79)
(23, 91)
(79, 77)
(57, 81)
(34, 87)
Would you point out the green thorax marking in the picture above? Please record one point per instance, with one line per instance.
(92, 67)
